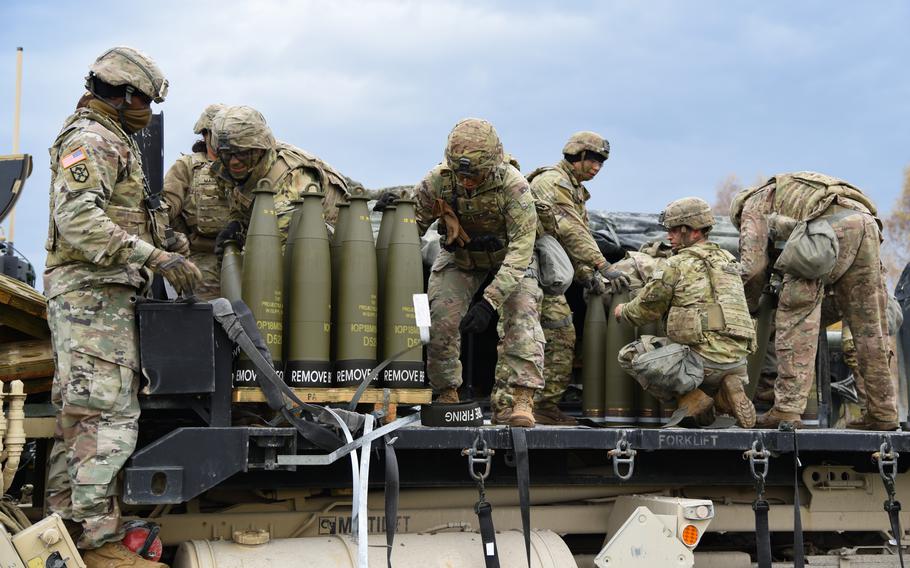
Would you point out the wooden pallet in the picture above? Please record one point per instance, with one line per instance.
(386, 400)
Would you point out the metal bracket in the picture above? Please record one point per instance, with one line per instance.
(623, 454)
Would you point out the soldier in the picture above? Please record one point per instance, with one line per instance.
(561, 196)
(833, 241)
(699, 291)
(106, 231)
(197, 206)
(248, 153)
(487, 215)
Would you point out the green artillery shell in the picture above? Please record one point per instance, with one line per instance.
(382, 249)
(231, 271)
(592, 357)
(335, 248)
(762, 337)
(646, 405)
(263, 281)
(310, 297)
(404, 278)
(620, 390)
(355, 334)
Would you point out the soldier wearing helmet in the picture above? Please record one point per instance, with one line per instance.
(248, 152)
(699, 293)
(560, 197)
(487, 223)
(107, 231)
(832, 242)
(197, 206)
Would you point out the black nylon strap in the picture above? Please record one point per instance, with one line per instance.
(893, 508)
(762, 534)
(520, 446)
(487, 534)
(464, 414)
(391, 496)
(798, 559)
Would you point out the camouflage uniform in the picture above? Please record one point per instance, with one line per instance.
(100, 238)
(699, 292)
(857, 283)
(289, 169)
(198, 208)
(487, 215)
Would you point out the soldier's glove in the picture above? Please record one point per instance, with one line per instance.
(618, 281)
(385, 199)
(780, 226)
(232, 232)
(179, 271)
(595, 286)
(181, 244)
(478, 317)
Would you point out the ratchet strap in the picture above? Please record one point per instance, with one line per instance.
(520, 447)
(392, 487)
(487, 533)
(887, 468)
(758, 457)
(798, 559)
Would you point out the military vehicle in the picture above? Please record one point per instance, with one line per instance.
(227, 483)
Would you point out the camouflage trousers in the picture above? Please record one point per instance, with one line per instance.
(559, 353)
(95, 394)
(521, 340)
(210, 286)
(858, 287)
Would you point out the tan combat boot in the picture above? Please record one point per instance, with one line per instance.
(773, 418)
(732, 399)
(501, 415)
(448, 396)
(115, 555)
(522, 408)
(551, 415)
(693, 403)
(869, 423)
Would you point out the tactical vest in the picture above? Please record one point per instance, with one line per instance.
(805, 196)
(481, 216)
(727, 315)
(207, 209)
(125, 207)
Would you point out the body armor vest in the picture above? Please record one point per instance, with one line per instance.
(481, 216)
(126, 205)
(207, 209)
(727, 314)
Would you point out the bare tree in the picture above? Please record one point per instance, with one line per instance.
(724, 194)
(896, 250)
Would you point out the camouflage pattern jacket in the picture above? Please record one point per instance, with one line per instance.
(500, 218)
(691, 289)
(800, 195)
(561, 208)
(99, 231)
(291, 171)
(198, 207)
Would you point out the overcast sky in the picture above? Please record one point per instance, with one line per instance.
(687, 92)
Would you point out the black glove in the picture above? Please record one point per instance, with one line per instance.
(385, 199)
(232, 232)
(478, 317)
(595, 286)
(619, 282)
(180, 272)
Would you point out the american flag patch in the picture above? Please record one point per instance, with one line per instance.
(73, 158)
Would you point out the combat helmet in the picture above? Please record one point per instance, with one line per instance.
(241, 128)
(130, 67)
(207, 116)
(473, 147)
(587, 141)
(689, 211)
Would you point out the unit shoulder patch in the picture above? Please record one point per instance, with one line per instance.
(79, 172)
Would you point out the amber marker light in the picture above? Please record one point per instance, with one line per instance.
(690, 535)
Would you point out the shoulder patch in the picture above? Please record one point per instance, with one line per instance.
(79, 172)
(657, 274)
(73, 158)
